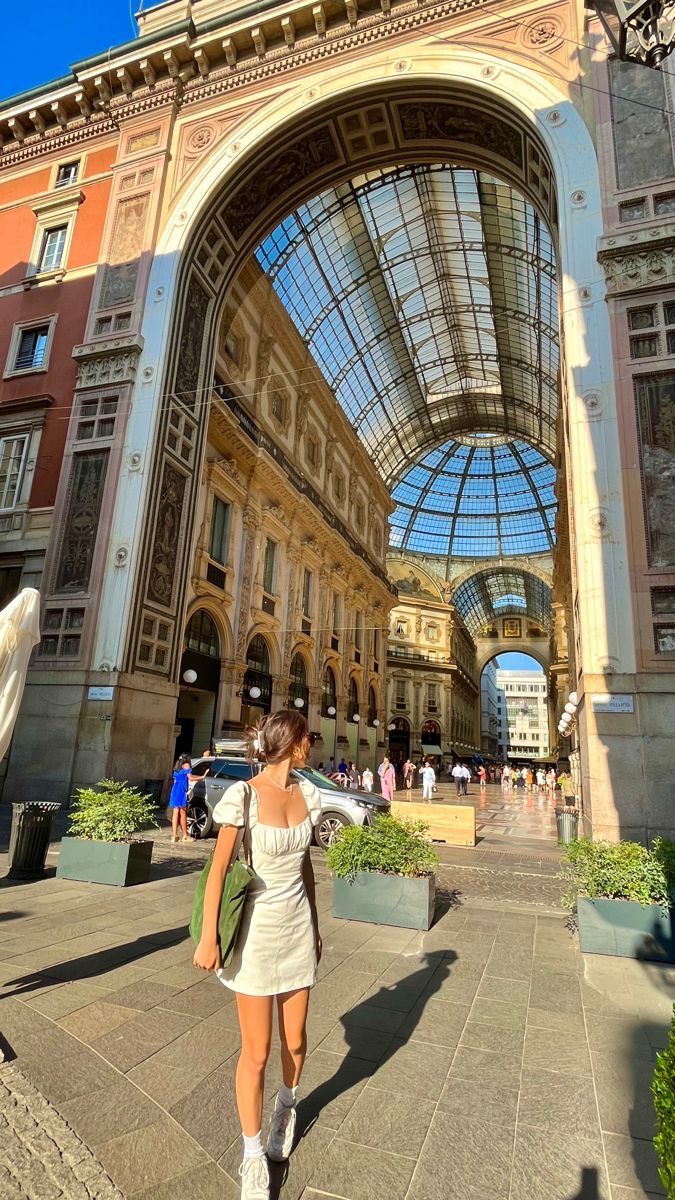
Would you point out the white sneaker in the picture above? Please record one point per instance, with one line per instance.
(255, 1179)
(282, 1132)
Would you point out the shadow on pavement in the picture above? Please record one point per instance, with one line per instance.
(589, 1185)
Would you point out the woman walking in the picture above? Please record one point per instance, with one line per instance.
(387, 776)
(179, 798)
(428, 781)
(367, 780)
(279, 947)
(409, 770)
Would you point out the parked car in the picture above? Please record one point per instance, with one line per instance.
(339, 806)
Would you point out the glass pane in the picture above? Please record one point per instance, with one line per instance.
(269, 564)
(53, 246)
(32, 347)
(656, 412)
(12, 458)
(220, 518)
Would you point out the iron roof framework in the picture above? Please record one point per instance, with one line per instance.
(502, 592)
(490, 498)
(427, 296)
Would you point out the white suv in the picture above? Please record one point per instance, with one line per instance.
(339, 807)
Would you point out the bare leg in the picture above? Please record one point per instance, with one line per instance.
(292, 1008)
(255, 1022)
(174, 822)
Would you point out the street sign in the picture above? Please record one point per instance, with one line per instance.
(602, 703)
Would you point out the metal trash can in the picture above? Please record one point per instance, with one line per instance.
(29, 839)
(567, 820)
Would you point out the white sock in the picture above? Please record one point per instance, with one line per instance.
(286, 1096)
(253, 1146)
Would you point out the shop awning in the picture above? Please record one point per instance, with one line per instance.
(427, 749)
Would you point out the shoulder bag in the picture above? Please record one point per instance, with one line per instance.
(237, 880)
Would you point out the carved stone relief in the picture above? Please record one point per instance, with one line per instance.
(110, 368)
(639, 267)
(251, 523)
(121, 273)
(83, 509)
(423, 121)
(166, 543)
(188, 367)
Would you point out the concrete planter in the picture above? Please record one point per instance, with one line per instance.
(626, 929)
(386, 899)
(116, 863)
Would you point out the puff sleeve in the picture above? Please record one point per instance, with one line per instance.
(312, 800)
(230, 808)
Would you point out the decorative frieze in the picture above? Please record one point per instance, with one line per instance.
(631, 264)
(103, 363)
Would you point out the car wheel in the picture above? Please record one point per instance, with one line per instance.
(197, 820)
(329, 828)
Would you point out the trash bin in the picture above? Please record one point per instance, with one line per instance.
(567, 820)
(29, 839)
(154, 788)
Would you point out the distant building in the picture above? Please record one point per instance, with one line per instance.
(523, 714)
(489, 711)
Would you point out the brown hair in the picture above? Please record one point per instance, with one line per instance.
(277, 735)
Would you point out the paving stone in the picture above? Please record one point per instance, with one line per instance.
(356, 1173)
(143, 1158)
(330, 1085)
(470, 1098)
(477, 1036)
(632, 1163)
(512, 991)
(547, 1097)
(370, 1016)
(209, 1111)
(499, 1012)
(439, 1022)
(201, 999)
(624, 1096)
(65, 998)
(176, 1069)
(482, 1066)
(616, 1037)
(559, 1163)
(91, 1022)
(370, 1044)
(567, 1055)
(141, 1036)
(464, 1158)
(143, 995)
(110, 1111)
(207, 1182)
(415, 1068)
(395, 1121)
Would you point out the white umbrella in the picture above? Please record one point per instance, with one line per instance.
(19, 633)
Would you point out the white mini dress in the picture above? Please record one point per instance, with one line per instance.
(276, 949)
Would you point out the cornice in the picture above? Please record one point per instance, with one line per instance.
(639, 259)
(196, 65)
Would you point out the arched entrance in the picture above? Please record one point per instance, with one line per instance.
(509, 122)
(298, 691)
(200, 681)
(515, 710)
(399, 741)
(430, 741)
(257, 689)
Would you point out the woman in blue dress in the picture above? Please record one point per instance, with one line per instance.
(179, 797)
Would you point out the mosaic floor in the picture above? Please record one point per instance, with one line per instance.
(518, 814)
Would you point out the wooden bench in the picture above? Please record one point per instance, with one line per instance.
(454, 824)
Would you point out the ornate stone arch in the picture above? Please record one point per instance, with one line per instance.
(219, 618)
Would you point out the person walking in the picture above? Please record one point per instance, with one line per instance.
(541, 779)
(458, 776)
(482, 777)
(428, 781)
(367, 780)
(353, 776)
(409, 771)
(387, 776)
(178, 799)
(466, 777)
(279, 911)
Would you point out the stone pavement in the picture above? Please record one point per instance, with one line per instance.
(484, 1060)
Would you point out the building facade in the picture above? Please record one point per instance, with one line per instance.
(489, 711)
(523, 715)
(140, 386)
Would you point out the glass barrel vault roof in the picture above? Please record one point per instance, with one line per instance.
(502, 592)
(488, 499)
(427, 296)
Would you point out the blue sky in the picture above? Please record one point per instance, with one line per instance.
(517, 662)
(56, 36)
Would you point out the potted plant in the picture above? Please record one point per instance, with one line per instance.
(100, 847)
(384, 873)
(624, 895)
(663, 1091)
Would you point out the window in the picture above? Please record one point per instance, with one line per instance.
(269, 566)
(642, 318)
(32, 349)
(67, 174)
(644, 347)
(10, 582)
(312, 450)
(201, 635)
(328, 697)
(98, 418)
(339, 487)
(279, 405)
(663, 204)
(307, 593)
(432, 697)
(358, 632)
(53, 245)
(298, 689)
(335, 639)
(220, 530)
(13, 452)
(360, 515)
(376, 649)
(62, 633)
(632, 210)
(353, 700)
(400, 694)
(117, 324)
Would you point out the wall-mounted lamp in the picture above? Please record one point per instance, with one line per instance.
(299, 702)
(331, 710)
(189, 676)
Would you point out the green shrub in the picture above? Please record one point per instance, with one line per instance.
(663, 1091)
(620, 871)
(390, 845)
(110, 812)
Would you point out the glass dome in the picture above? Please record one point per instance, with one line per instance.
(483, 497)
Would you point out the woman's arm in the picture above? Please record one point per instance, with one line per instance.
(207, 954)
(310, 888)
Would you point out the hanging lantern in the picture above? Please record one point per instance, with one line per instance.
(641, 32)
